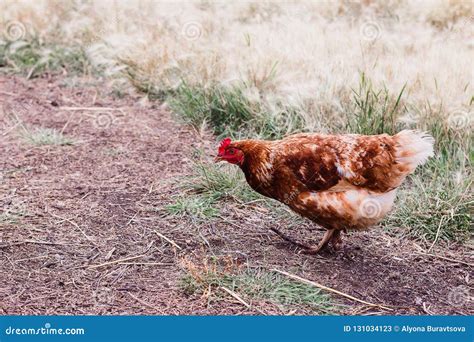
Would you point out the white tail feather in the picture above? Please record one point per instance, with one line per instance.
(413, 148)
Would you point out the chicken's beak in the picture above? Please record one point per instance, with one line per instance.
(218, 158)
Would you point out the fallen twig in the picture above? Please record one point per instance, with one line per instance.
(116, 261)
(90, 108)
(168, 240)
(133, 217)
(75, 225)
(146, 304)
(110, 253)
(426, 309)
(446, 258)
(34, 242)
(147, 263)
(437, 233)
(33, 258)
(229, 222)
(235, 296)
(310, 282)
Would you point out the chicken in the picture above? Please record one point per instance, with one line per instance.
(339, 182)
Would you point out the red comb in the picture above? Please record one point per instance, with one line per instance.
(224, 143)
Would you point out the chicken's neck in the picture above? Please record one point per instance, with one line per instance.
(257, 165)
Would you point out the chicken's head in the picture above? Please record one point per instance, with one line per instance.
(229, 153)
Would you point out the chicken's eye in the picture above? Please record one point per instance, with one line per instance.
(231, 151)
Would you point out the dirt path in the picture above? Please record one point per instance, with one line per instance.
(66, 210)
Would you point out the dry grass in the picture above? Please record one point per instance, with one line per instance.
(426, 45)
(46, 136)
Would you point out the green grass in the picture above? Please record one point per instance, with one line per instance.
(228, 112)
(373, 111)
(46, 136)
(255, 284)
(220, 182)
(434, 209)
(32, 59)
(193, 206)
(204, 192)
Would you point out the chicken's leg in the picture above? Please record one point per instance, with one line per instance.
(336, 240)
(309, 249)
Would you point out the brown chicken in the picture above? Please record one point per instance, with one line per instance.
(338, 181)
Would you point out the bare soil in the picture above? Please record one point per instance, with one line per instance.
(78, 231)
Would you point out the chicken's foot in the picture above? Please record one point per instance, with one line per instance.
(323, 243)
